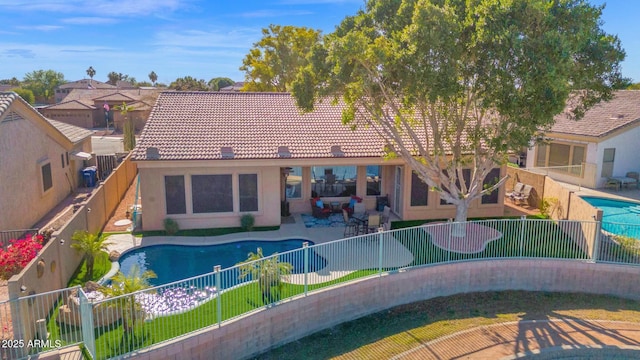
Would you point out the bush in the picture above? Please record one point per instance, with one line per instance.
(171, 226)
(18, 254)
(247, 221)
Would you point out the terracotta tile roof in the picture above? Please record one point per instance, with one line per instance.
(114, 97)
(72, 132)
(623, 110)
(71, 105)
(197, 125)
(84, 84)
(85, 95)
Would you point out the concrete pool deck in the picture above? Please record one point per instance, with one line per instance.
(341, 260)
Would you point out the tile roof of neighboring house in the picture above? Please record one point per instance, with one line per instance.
(6, 87)
(114, 97)
(72, 132)
(71, 105)
(196, 125)
(84, 84)
(623, 110)
(88, 95)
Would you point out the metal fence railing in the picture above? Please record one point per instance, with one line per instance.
(118, 325)
(6, 236)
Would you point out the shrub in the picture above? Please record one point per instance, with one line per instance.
(247, 221)
(18, 254)
(171, 226)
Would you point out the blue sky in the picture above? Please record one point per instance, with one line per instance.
(176, 38)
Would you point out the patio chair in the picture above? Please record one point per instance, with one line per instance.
(359, 208)
(517, 191)
(350, 225)
(523, 198)
(320, 212)
(373, 223)
(386, 213)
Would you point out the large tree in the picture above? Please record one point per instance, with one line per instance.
(273, 62)
(189, 83)
(455, 85)
(43, 84)
(114, 77)
(218, 83)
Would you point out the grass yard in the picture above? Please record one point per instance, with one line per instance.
(396, 330)
(101, 266)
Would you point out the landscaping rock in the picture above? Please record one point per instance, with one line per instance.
(114, 256)
(91, 286)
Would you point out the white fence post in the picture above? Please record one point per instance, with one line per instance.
(523, 223)
(596, 241)
(305, 246)
(380, 235)
(216, 270)
(86, 316)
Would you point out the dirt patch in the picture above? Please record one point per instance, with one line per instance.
(121, 211)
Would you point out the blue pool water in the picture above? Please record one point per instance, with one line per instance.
(176, 262)
(618, 216)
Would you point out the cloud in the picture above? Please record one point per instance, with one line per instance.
(40, 27)
(218, 38)
(89, 20)
(18, 53)
(95, 7)
(274, 13)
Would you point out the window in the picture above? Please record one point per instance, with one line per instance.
(492, 178)
(333, 181)
(211, 193)
(47, 180)
(174, 195)
(419, 191)
(62, 160)
(248, 190)
(294, 183)
(374, 180)
(567, 157)
(466, 173)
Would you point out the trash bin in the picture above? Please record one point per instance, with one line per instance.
(89, 175)
(284, 208)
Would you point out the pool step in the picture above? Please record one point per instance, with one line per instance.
(635, 209)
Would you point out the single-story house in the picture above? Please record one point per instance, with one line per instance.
(603, 144)
(41, 162)
(206, 158)
(63, 90)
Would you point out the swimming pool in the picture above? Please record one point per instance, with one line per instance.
(176, 262)
(618, 216)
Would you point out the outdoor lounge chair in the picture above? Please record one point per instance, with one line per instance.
(517, 191)
(523, 197)
(318, 212)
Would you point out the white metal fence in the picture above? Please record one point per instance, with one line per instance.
(110, 327)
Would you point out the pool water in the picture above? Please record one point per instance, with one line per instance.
(176, 262)
(618, 216)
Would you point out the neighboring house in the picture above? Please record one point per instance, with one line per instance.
(605, 142)
(85, 107)
(207, 158)
(63, 90)
(41, 162)
(237, 86)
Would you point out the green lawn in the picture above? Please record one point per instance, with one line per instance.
(101, 266)
(394, 331)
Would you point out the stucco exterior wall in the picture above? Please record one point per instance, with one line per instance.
(154, 204)
(434, 210)
(25, 146)
(528, 178)
(626, 159)
(291, 320)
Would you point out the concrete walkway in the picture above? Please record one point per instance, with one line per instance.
(536, 339)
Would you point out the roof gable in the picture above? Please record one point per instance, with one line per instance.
(70, 105)
(114, 97)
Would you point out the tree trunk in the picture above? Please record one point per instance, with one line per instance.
(460, 226)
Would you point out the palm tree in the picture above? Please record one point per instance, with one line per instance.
(129, 128)
(153, 77)
(122, 284)
(269, 273)
(91, 71)
(90, 245)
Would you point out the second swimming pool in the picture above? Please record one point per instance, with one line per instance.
(618, 216)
